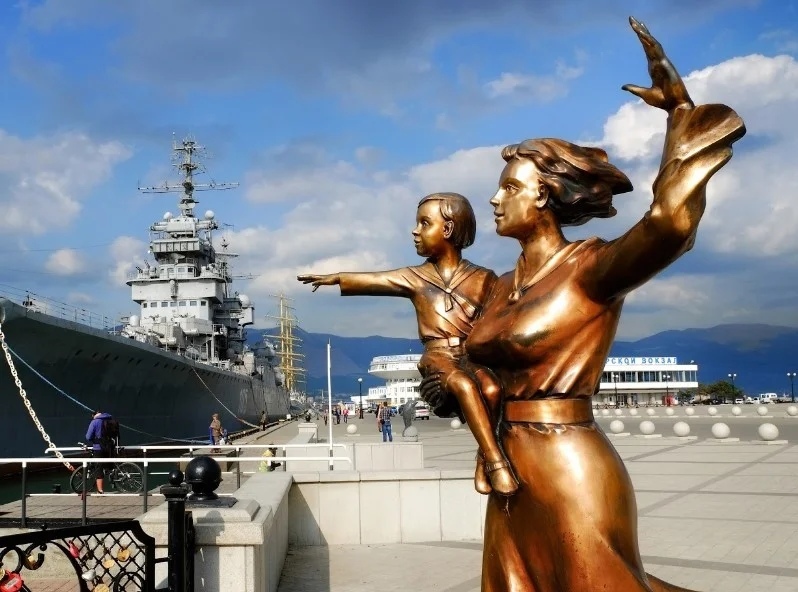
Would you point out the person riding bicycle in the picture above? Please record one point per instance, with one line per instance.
(103, 444)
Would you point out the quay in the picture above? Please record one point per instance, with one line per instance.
(714, 514)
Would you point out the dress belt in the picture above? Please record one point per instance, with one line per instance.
(563, 411)
(443, 342)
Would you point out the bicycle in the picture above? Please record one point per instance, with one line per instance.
(125, 477)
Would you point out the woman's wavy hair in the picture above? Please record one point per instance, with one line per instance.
(455, 208)
(581, 181)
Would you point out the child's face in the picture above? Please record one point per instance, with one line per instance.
(432, 232)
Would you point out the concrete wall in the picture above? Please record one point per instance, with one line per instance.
(353, 508)
(239, 548)
(364, 456)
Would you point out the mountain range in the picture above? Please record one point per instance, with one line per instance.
(760, 355)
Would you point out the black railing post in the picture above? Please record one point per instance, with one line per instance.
(84, 494)
(181, 542)
(24, 509)
(238, 468)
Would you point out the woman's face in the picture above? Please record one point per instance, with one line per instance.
(517, 202)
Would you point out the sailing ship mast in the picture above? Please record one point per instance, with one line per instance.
(289, 345)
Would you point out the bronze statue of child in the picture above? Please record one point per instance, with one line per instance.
(448, 293)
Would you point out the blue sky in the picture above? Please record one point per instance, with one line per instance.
(336, 117)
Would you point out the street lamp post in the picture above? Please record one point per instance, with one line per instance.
(360, 391)
(733, 375)
(667, 378)
(615, 382)
(791, 376)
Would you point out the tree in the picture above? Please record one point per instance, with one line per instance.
(722, 389)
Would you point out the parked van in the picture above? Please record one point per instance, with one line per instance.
(768, 397)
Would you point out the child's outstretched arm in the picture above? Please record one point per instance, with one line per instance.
(395, 282)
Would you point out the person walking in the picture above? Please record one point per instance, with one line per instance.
(384, 419)
(263, 420)
(346, 414)
(215, 431)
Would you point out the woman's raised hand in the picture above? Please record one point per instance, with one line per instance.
(319, 280)
(667, 90)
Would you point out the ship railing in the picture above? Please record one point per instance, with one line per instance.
(42, 304)
(232, 453)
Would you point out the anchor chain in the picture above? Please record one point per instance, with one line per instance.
(27, 402)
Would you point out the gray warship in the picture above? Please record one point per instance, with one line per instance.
(161, 372)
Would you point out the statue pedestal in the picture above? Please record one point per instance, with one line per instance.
(410, 438)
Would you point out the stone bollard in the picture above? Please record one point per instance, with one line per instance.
(617, 427)
(681, 429)
(633, 412)
(769, 434)
(455, 424)
(618, 411)
(736, 411)
(762, 411)
(647, 429)
(721, 433)
(792, 411)
(650, 411)
(669, 411)
(605, 412)
(689, 412)
(712, 411)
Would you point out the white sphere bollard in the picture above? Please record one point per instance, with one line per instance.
(616, 426)
(650, 411)
(456, 424)
(689, 411)
(768, 432)
(762, 410)
(681, 429)
(720, 430)
(351, 429)
(713, 411)
(736, 411)
(792, 410)
(619, 412)
(633, 412)
(647, 427)
(605, 412)
(669, 411)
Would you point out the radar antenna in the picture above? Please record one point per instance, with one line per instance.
(187, 159)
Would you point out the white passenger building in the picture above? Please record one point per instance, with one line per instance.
(625, 381)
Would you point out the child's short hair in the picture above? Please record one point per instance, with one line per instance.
(456, 209)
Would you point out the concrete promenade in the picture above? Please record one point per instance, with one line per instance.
(713, 516)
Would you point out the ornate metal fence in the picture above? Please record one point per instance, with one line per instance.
(106, 557)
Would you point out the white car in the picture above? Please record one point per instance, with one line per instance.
(422, 411)
(739, 401)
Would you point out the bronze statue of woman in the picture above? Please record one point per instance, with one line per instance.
(546, 330)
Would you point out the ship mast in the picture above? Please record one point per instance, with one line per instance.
(289, 344)
(187, 158)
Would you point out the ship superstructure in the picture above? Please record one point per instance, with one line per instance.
(186, 299)
(182, 358)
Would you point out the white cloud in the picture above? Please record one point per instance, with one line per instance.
(751, 202)
(46, 178)
(66, 262)
(531, 87)
(126, 252)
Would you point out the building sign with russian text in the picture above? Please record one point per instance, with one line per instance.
(661, 361)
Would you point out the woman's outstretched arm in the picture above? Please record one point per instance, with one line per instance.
(697, 144)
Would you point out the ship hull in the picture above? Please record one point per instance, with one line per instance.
(156, 395)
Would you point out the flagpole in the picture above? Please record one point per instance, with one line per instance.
(329, 403)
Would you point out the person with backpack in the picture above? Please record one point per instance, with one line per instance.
(103, 434)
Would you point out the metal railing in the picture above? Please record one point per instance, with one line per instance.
(145, 461)
(55, 308)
